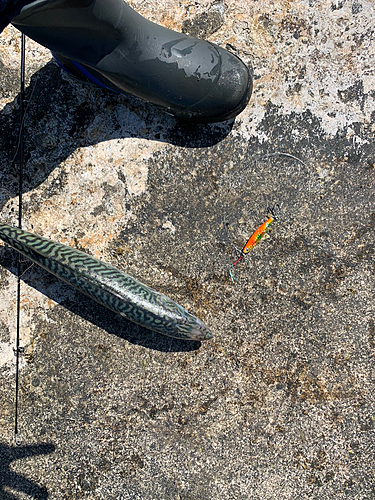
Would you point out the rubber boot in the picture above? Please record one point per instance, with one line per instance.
(108, 43)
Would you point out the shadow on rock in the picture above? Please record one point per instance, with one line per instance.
(11, 481)
(62, 114)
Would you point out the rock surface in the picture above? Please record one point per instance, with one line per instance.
(280, 404)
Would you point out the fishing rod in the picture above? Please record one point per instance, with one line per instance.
(17, 437)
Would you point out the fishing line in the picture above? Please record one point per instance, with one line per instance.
(9, 194)
(24, 115)
(17, 437)
(275, 177)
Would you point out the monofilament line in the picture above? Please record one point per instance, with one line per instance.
(17, 437)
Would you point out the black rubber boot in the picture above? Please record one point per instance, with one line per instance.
(108, 43)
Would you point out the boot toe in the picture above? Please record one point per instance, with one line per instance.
(234, 86)
(219, 96)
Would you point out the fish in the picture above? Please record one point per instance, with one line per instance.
(107, 285)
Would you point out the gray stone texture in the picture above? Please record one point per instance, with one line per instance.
(280, 404)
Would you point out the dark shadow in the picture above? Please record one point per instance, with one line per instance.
(14, 481)
(91, 311)
(63, 114)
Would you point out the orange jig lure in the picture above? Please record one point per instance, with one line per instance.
(256, 237)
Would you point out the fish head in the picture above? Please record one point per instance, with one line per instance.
(193, 328)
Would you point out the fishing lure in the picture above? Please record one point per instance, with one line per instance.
(109, 286)
(256, 237)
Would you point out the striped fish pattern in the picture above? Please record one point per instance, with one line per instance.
(109, 286)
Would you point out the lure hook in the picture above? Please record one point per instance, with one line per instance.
(274, 211)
